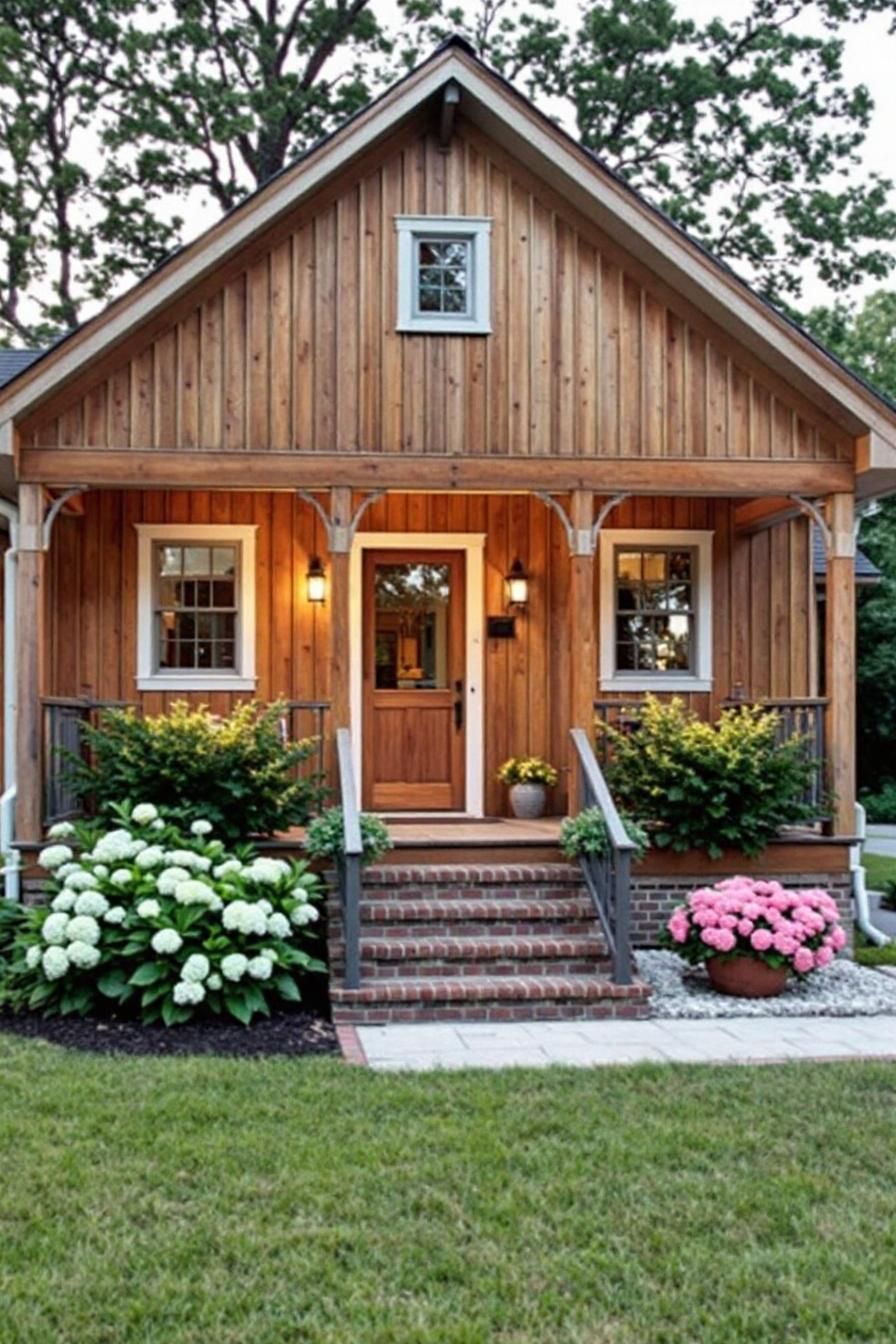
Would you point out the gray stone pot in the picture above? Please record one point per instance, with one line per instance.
(527, 800)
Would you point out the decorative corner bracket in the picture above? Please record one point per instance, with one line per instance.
(813, 511)
(582, 540)
(340, 535)
(55, 509)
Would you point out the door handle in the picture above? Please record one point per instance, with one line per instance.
(459, 705)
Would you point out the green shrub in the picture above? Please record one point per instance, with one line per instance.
(235, 772)
(325, 837)
(880, 807)
(587, 834)
(162, 923)
(706, 786)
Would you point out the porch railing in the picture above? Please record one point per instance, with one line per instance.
(607, 876)
(349, 865)
(63, 741)
(303, 719)
(797, 717)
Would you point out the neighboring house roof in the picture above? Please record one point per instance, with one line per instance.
(866, 571)
(14, 362)
(506, 115)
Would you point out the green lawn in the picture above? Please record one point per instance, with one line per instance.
(879, 868)
(247, 1202)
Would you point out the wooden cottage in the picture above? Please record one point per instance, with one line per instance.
(445, 351)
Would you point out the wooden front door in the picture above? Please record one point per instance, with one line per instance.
(414, 752)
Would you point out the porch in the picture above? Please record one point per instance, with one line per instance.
(387, 622)
(434, 709)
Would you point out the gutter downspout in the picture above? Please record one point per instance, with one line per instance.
(859, 889)
(8, 856)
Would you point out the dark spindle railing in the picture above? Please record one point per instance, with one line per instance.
(303, 720)
(64, 722)
(349, 866)
(607, 876)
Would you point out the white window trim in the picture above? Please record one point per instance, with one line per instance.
(701, 678)
(189, 680)
(477, 229)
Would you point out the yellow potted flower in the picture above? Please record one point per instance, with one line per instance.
(529, 778)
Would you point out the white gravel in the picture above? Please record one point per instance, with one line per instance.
(842, 989)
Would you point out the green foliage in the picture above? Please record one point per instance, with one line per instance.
(325, 837)
(744, 128)
(880, 806)
(161, 924)
(587, 834)
(13, 916)
(865, 338)
(709, 786)
(527, 770)
(236, 772)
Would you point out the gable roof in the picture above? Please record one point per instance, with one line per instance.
(513, 121)
(14, 362)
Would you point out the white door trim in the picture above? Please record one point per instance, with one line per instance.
(473, 545)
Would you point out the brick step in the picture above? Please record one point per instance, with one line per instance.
(387, 958)
(489, 998)
(463, 910)
(467, 880)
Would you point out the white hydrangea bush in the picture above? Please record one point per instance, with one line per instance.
(163, 923)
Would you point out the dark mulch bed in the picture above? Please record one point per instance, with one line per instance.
(293, 1033)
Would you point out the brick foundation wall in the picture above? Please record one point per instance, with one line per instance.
(654, 897)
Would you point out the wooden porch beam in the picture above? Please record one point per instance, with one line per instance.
(582, 635)
(30, 580)
(840, 660)
(757, 514)
(159, 469)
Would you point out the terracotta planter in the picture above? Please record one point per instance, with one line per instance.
(527, 801)
(746, 977)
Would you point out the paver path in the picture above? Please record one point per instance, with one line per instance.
(733, 1040)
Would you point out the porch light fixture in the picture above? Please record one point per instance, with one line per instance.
(316, 580)
(516, 583)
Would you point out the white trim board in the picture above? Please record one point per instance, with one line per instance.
(701, 678)
(473, 545)
(147, 678)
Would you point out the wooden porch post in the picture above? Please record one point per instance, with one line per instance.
(840, 659)
(582, 640)
(30, 596)
(340, 555)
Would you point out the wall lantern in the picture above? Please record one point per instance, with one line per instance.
(516, 584)
(317, 581)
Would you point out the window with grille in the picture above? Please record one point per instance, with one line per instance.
(196, 607)
(655, 609)
(443, 274)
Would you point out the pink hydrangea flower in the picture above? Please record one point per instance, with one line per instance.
(761, 939)
(803, 960)
(745, 927)
(824, 956)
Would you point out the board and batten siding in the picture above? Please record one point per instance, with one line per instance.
(761, 597)
(293, 346)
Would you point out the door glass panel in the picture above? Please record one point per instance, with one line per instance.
(411, 626)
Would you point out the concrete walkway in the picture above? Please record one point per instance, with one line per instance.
(454, 1045)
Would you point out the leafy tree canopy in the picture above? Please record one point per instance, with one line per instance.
(122, 120)
(866, 339)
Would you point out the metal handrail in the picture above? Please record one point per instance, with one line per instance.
(607, 876)
(349, 867)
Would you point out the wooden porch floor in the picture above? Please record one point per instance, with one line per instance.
(460, 839)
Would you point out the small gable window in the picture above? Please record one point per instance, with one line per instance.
(443, 274)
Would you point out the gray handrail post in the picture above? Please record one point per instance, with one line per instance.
(608, 879)
(349, 866)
